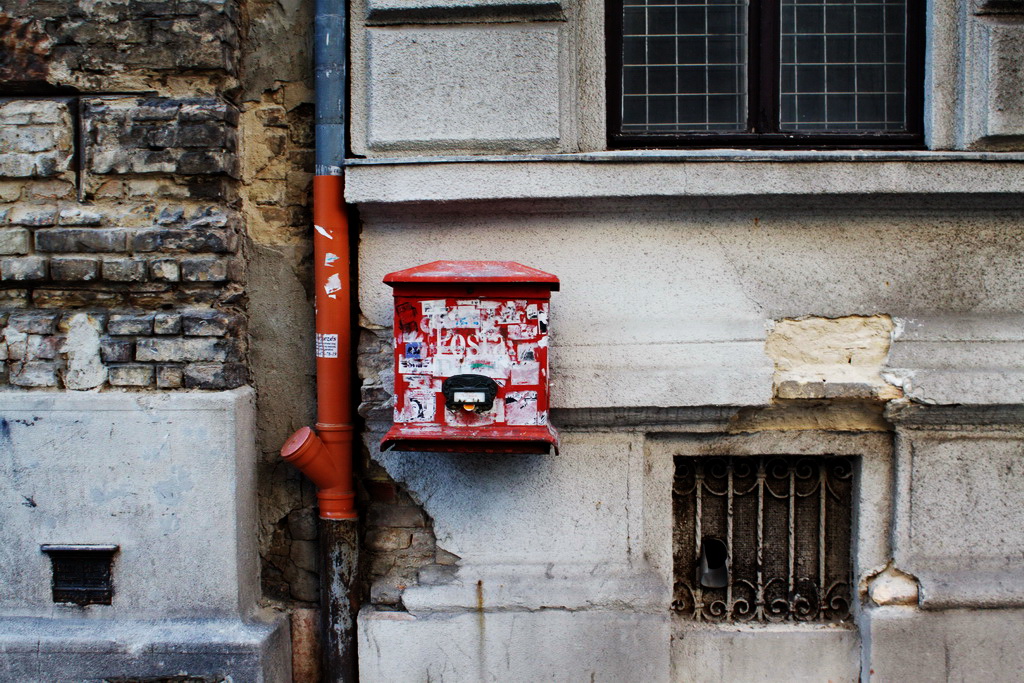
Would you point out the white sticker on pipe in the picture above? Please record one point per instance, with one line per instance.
(330, 258)
(326, 345)
(333, 285)
(323, 232)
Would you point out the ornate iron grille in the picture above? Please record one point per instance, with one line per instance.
(784, 525)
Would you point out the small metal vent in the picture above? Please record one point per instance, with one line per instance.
(82, 573)
(762, 539)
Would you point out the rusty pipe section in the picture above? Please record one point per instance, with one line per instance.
(326, 455)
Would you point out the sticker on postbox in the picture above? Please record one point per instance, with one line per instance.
(471, 357)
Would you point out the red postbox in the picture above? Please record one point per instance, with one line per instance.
(471, 358)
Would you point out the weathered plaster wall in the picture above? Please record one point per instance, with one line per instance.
(749, 325)
(669, 306)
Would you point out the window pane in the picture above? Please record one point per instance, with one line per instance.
(684, 66)
(842, 65)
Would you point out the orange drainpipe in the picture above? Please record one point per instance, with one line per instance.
(325, 456)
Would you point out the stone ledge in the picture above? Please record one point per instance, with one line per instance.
(510, 588)
(904, 644)
(777, 652)
(982, 587)
(915, 415)
(552, 644)
(711, 173)
(93, 649)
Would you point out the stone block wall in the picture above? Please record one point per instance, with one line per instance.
(129, 265)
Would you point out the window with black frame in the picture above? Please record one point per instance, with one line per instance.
(777, 73)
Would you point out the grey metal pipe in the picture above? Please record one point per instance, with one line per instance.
(330, 28)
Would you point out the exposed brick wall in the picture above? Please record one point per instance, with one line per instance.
(190, 137)
(35, 138)
(399, 544)
(290, 563)
(114, 45)
(185, 348)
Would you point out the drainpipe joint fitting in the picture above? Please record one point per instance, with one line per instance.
(315, 458)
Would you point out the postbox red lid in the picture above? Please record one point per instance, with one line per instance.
(472, 271)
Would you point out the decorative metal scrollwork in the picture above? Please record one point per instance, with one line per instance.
(785, 521)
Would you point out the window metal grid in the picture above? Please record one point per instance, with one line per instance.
(842, 65)
(767, 73)
(684, 66)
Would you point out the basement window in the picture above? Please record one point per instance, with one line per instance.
(762, 539)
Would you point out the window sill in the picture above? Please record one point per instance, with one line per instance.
(675, 173)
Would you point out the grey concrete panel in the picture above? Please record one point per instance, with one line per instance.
(550, 645)
(169, 478)
(706, 654)
(906, 645)
(960, 516)
(995, 98)
(472, 87)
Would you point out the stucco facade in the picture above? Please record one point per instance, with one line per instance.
(155, 276)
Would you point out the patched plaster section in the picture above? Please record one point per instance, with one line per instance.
(818, 357)
(85, 368)
(890, 586)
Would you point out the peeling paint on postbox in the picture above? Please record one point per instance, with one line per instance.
(488, 328)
